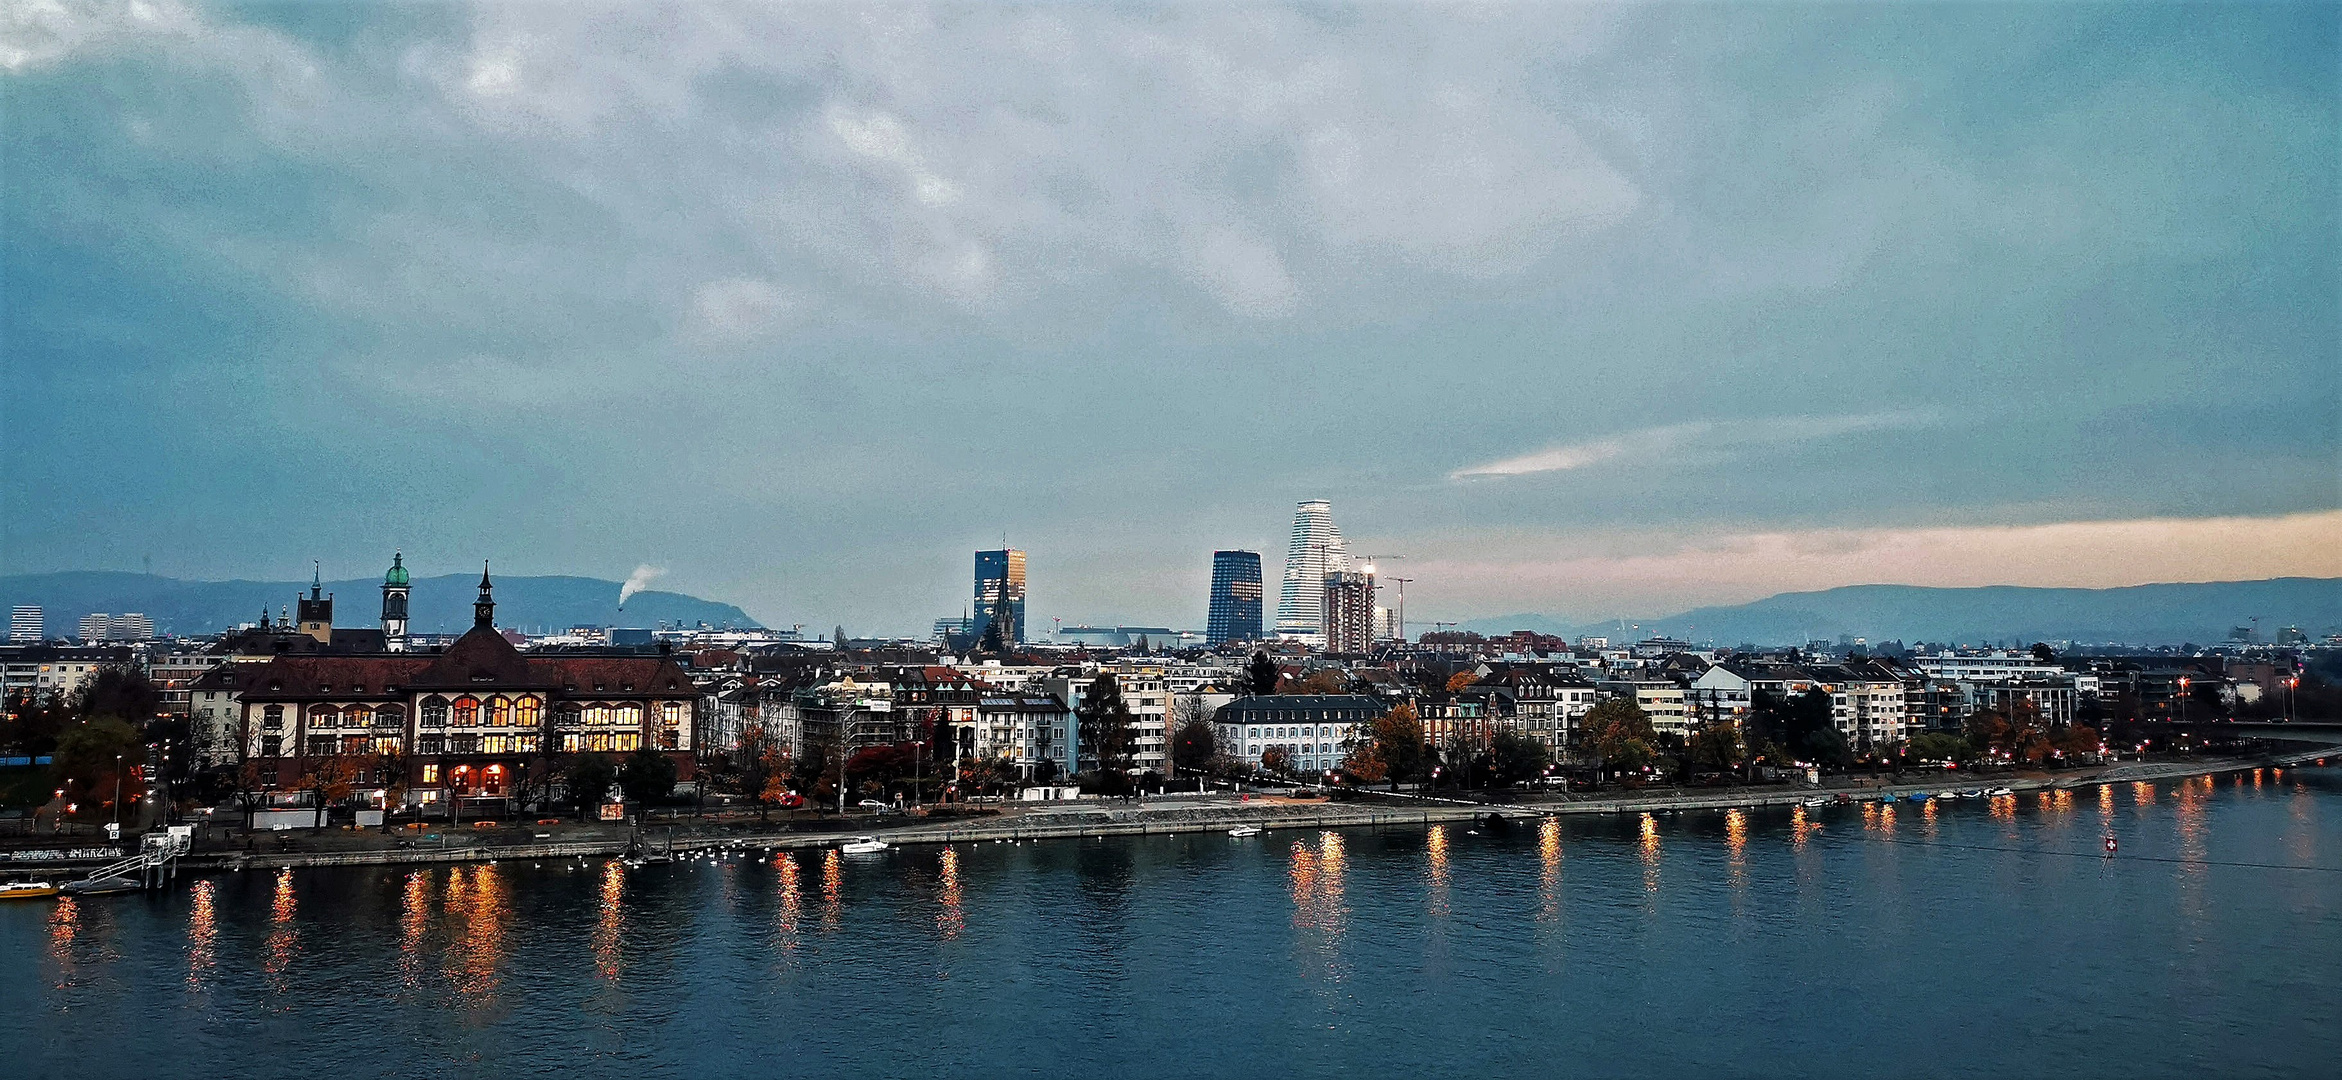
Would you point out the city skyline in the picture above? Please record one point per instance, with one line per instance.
(1592, 311)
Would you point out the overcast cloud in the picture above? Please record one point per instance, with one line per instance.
(803, 303)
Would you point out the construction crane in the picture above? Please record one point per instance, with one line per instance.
(1402, 607)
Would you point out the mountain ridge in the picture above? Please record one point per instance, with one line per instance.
(436, 605)
(2155, 614)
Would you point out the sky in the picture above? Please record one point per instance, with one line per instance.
(1585, 311)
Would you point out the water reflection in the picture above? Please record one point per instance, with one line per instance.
(1549, 876)
(1736, 850)
(951, 920)
(1650, 854)
(64, 926)
(833, 888)
(202, 930)
(610, 921)
(283, 939)
(1314, 879)
(483, 906)
(414, 921)
(1435, 851)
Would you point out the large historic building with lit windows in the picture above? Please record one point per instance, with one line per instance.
(478, 720)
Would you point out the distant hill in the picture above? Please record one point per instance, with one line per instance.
(2139, 614)
(435, 604)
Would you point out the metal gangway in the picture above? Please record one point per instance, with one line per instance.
(155, 865)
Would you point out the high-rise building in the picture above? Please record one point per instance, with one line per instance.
(129, 626)
(1000, 589)
(1349, 612)
(1236, 598)
(24, 624)
(1317, 550)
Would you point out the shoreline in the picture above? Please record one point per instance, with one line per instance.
(1173, 817)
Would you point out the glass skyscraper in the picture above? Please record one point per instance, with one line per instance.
(1317, 550)
(1236, 598)
(1000, 574)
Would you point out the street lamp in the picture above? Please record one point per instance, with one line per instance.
(117, 789)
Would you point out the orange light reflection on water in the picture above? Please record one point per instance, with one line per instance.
(1549, 874)
(1650, 854)
(283, 940)
(792, 905)
(833, 888)
(485, 908)
(951, 920)
(202, 930)
(64, 926)
(1435, 853)
(1736, 846)
(610, 921)
(414, 921)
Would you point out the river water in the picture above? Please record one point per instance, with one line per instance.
(1969, 938)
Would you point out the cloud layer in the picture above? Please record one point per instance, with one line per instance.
(814, 299)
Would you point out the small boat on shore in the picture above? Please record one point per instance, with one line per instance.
(1245, 830)
(862, 845)
(26, 890)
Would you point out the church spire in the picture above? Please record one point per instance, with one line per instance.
(484, 609)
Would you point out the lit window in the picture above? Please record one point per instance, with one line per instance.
(430, 774)
(467, 712)
(500, 712)
(527, 711)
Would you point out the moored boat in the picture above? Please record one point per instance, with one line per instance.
(863, 845)
(26, 890)
(1245, 830)
(102, 886)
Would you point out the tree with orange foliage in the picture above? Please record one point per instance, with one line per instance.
(1275, 762)
(762, 764)
(1461, 680)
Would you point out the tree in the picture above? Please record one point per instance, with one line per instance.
(2016, 732)
(760, 767)
(32, 723)
(1362, 761)
(1620, 736)
(838, 638)
(120, 691)
(648, 776)
(1104, 729)
(1395, 741)
(390, 768)
(1718, 747)
(331, 779)
(1514, 757)
(1192, 747)
(1937, 746)
(92, 754)
(2043, 653)
(1261, 675)
(1274, 762)
(1461, 679)
(589, 780)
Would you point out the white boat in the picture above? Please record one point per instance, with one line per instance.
(863, 845)
(26, 890)
(1971, 793)
(1245, 830)
(2000, 791)
(1819, 800)
(1947, 794)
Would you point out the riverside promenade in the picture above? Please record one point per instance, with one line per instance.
(683, 837)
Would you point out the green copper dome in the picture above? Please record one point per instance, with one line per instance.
(398, 570)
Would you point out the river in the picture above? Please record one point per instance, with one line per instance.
(1967, 938)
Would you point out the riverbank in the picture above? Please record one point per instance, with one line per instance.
(1083, 819)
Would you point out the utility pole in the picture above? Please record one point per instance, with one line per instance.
(1402, 607)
